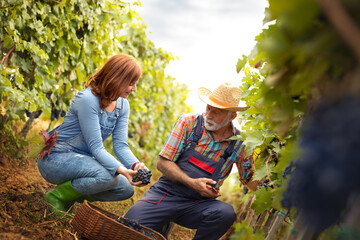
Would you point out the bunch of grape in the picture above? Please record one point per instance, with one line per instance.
(246, 190)
(327, 172)
(143, 175)
(265, 184)
(288, 170)
(246, 165)
(56, 113)
(134, 225)
(33, 115)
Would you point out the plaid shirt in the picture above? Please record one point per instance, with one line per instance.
(180, 139)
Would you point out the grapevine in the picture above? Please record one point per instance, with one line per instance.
(49, 52)
(303, 67)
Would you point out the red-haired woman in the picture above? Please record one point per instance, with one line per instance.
(79, 163)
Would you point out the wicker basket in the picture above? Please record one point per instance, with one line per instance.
(95, 223)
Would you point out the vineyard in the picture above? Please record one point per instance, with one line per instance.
(301, 81)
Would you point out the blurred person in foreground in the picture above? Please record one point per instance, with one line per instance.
(195, 160)
(75, 158)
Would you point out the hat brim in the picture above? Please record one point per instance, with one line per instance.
(204, 95)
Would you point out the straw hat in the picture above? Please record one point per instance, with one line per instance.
(225, 96)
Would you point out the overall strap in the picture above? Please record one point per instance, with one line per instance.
(198, 131)
(229, 150)
(118, 107)
(117, 111)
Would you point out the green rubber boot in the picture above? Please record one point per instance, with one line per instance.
(80, 199)
(60, 196)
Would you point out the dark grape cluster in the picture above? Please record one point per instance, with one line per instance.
(246, 190)
(133, 224)
(33, 115)
(327, 171)
(288, 170)
(265, 184)
(143, 175)
(56, 113)
(246, 165)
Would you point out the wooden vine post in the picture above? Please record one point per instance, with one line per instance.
(280, 216)
(269, 221)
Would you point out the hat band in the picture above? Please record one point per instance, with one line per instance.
(220, 103)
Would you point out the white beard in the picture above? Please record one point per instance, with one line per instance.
(216, 126)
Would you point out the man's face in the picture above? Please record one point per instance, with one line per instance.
(216, 118)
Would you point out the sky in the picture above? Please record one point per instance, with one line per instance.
(207, 37)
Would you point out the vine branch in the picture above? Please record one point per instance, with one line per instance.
(342, 23)
(7, 6)
(267, 161)
(7, 55)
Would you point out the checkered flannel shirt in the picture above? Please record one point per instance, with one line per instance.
(180, 138)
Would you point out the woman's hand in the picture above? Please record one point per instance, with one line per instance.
(128, 173)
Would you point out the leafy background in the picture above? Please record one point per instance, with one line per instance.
(50, 48)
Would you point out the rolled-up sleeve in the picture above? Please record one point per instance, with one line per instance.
(120, 137)
(176, 141)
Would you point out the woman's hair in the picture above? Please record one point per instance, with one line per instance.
(113, 78)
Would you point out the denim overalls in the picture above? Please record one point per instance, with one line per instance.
(171, 201)
(195, 165)
(72, 160)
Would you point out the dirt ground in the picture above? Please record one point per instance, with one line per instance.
(24, 214)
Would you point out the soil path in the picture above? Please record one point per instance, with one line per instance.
(25, 215)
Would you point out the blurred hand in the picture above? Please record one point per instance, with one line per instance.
(252, 185)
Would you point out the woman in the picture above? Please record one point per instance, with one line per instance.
(78, 162)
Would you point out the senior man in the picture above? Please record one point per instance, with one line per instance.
(195, 160)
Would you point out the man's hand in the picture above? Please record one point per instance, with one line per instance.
(203, 187)
(174, 173)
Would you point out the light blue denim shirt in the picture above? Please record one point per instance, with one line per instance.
(90, 125)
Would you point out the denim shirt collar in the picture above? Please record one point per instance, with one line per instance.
(118, 107)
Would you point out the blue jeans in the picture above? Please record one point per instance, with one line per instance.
(87, 175)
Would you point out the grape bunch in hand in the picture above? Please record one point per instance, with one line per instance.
(142, 175)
